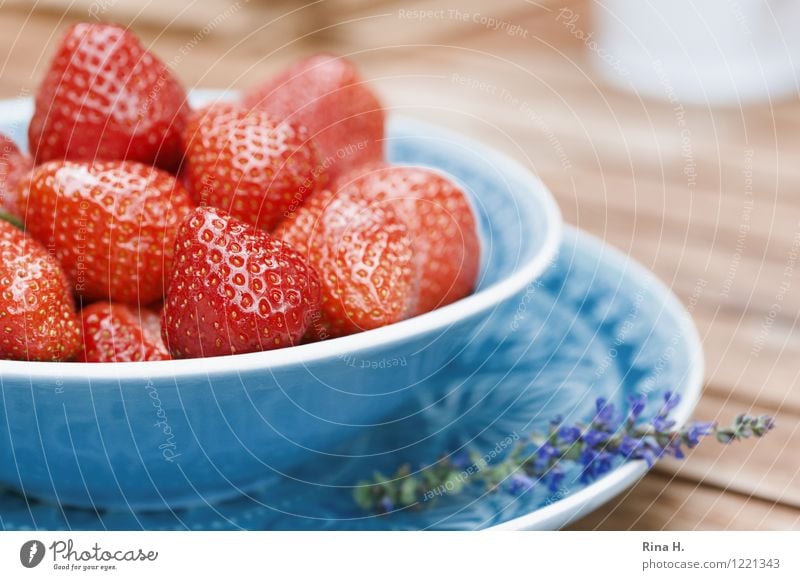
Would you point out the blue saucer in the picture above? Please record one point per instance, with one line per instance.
(596, 324)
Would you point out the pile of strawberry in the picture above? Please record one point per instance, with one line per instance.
(154, 231)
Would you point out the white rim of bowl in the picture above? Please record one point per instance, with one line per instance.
(443, 317)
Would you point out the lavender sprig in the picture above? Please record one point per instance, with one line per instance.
(543, 457)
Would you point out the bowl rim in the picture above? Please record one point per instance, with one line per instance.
(443, 317)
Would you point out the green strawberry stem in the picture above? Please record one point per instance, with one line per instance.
(13, 220)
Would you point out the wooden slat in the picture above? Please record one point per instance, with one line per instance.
(663, 503)
(386, 23)
(178, 18)
(219, 46)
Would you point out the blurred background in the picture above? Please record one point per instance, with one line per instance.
(672, 133)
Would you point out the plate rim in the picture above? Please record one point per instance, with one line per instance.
(574, 506)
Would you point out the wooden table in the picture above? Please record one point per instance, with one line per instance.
(718, 219)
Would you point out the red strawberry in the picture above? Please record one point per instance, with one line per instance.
(327, 94)
(235, 289)
(111, 224)
(298, 227)
(363, 254)
(440, 219)
(249, 164)
(14, 165)
(106, 97)
(118, 333)
(37, 316)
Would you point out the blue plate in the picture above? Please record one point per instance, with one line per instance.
(596, 324)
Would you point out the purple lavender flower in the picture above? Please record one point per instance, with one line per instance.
(544, 454)
(662, 424)
(745, 426)
(461, 460)
(595, 448)
(650, 450)
(697, 431)
(555, 477)
(386, 504)
(764, 423)
(649, 454)
(593, 437)
(569, 434)
(674, 447)
(605, 462)
(519, 484)
(587, 459)
(671, 400)
(629, 446)
(636, 405)
(595, 463)
(605, 414)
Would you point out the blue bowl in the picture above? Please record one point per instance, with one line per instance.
(168, 434)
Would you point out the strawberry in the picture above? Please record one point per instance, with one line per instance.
(441, 222)
(37, 316)
(363, 254)
(235, 289)
(111, 224)
(299, 227)
(118, 333)
(106, 97)
(249, 164)
(327, 94)
(14, 166)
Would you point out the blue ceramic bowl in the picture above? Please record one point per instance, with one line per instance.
(160, 435)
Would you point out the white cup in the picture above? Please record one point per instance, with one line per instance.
(701, 51)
